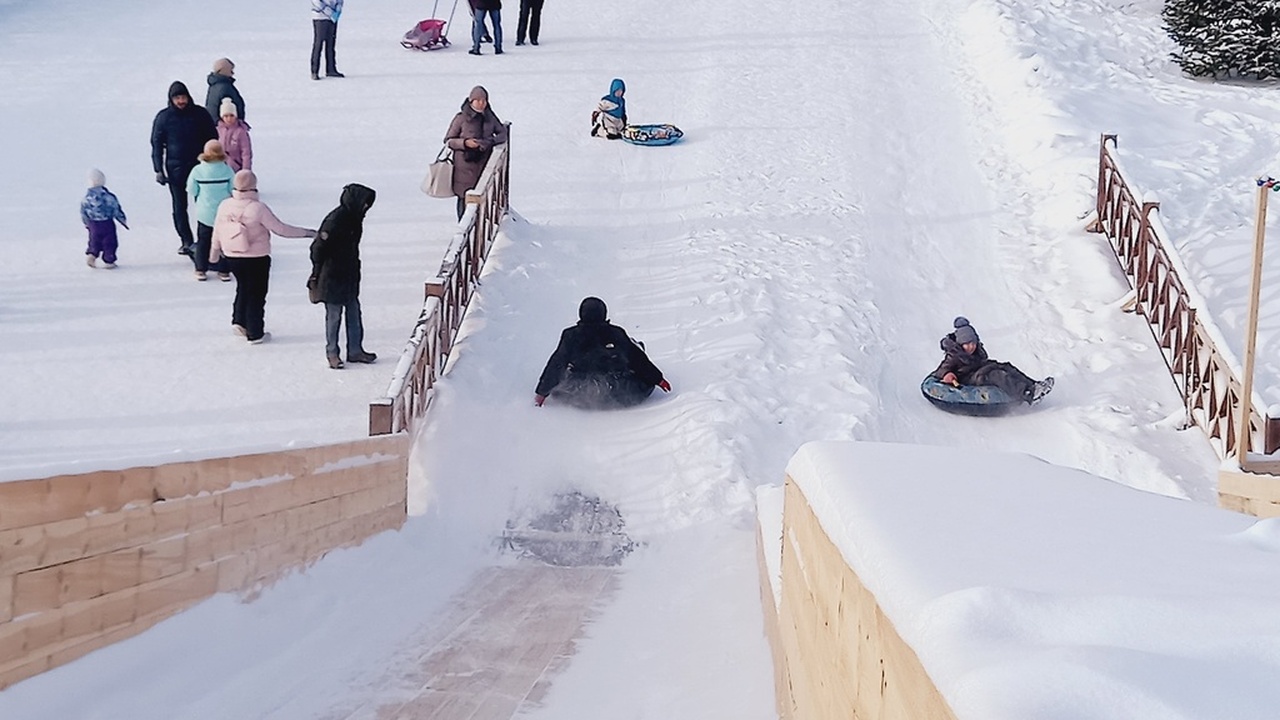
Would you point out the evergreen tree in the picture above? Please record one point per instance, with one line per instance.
(1225, 38)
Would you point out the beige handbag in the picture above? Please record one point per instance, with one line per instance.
(439, 180)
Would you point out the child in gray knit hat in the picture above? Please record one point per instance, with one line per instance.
(966, 363)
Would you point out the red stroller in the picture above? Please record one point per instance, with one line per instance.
(429, 34)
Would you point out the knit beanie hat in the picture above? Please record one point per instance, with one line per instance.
(212, 152)
(96, 178)
(223, 66)
(228, 107)
(245, 181)
(478, 93)
(965, 333)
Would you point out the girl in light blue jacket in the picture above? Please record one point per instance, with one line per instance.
(209, 184)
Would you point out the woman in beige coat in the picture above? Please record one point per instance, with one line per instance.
(242, 233)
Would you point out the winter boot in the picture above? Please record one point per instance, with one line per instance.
(91, 261)
(1039, 389)
(361, 357)
(335, 362)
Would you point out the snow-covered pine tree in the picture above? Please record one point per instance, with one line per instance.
(1225, 38)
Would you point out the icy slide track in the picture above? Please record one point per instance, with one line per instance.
(841, 193)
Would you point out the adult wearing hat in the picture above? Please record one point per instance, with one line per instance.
(242, 232)
(222, 85)
(966, 363)
(178, 135)
(472, 135)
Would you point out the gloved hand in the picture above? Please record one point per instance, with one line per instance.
(160, 178)
(666, 386)
(539, 399)
(311, 233)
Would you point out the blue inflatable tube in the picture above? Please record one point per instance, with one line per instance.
(981, 400)
(651, 134)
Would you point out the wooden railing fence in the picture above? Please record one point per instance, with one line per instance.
(447, 295)
(1194, 350)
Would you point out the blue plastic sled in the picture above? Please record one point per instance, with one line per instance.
(982, 400)
(651, 134)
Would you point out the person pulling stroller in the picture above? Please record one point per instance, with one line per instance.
(966, 363)
(597, 365)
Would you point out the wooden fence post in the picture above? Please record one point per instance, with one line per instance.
(1251, 329)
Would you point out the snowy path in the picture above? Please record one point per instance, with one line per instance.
(843, 190)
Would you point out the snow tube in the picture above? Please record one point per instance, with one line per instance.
(651, 134)
(982, 400)
(603, 391)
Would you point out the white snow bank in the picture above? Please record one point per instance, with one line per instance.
(769, 515)
(1031, 590)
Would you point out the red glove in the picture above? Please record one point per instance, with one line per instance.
(539, 399)
(666, 386)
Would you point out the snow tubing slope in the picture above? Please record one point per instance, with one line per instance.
(663, 134)
(982, 400)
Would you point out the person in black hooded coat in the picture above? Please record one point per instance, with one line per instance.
(335, 272)
(597, 365)
(178, 135)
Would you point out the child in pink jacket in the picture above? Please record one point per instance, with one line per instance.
(242, 233)
(233, 133)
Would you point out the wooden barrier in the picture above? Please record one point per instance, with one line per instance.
(1192, 347)
(87, 560)
(843, 657)
(445, 302)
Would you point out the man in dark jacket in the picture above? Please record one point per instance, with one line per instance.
(597, 366)
(178, 135)
(222, 84)
(966, 363)
(335, 271)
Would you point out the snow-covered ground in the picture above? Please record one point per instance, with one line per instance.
(852, 177)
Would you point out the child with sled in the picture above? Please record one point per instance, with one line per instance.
(609, 118)
(966, 363)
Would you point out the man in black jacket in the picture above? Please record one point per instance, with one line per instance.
(596, 365)
(335, 273)
(178, 135)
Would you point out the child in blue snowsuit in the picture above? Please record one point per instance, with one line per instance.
(99, 211)
(610, 116)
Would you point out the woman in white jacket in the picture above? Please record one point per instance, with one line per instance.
(242, 233)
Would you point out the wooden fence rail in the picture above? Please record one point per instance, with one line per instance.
(1194, 350)
(445, 301)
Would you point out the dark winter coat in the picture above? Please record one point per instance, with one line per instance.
(178, 136)
(486, 4)
(221, 86)
(335, 252)
(581, 344)
(468, 163)
(957, 361)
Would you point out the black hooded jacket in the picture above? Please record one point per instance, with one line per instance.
(221, 86)
(178, 136)
(589, 346)
(957, 361)
(335, 252)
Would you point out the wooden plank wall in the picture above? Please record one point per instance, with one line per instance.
(87, 560)
(1249, 493)
(844, 659)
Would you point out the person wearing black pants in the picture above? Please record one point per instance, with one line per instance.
(324, 21)
(530, 19)
(249, 309)
(178, 135)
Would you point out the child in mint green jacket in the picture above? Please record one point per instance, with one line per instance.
(209, 184)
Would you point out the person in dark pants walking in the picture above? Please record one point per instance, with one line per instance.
(324, 20)
(335, 270)
(242, 231)
(178, 135)
(530, 20)
(480, 9)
